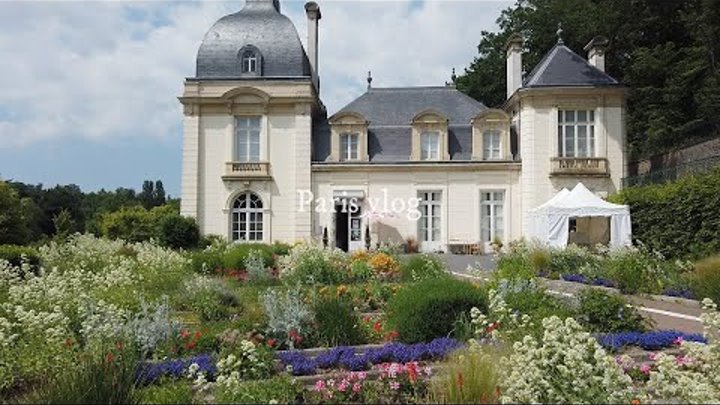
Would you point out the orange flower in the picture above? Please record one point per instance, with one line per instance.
(377, 327)
(635, 401)
(460, 380)
(109, 358)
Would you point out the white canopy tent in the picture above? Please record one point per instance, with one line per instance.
(550, 221)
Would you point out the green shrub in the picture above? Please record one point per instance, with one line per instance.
(705, 279)
(312, 264)
(210, 298)
(236, 254)
(678, 219)
(600, 311)
(281, 249)
(541, 260)
(105, 377)
(337, 323)
(178, 232)
(633, 271)
(428, 309)
(280, 390)
(168, 393)
(419, 267)
(514, 266)
(208, 260)
(17, 255)
(469, 376)
(133, 224)
(360, 270)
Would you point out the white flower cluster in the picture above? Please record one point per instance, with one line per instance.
(500, 318)
(567, 366)
(234, 369)
(304, 254)
(693, 377)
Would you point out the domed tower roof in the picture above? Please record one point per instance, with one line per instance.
(258, 27)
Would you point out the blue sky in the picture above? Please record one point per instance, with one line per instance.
(89, 88)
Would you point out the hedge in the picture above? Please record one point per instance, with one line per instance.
(679, 219)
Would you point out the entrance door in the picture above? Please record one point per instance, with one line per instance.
(348, 228)
(341, 228)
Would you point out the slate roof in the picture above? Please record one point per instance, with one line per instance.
(390, 112)
(261, 25)
(563, 67)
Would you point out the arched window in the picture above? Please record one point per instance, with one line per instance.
(250, 61)
(246, 220)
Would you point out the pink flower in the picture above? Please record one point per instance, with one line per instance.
(362, 375)
(682, 360)
(343, 385)
(678, 340)
(319, 385)
(428, 371)
(652, 356)
(394, 385)
(645, 368)
(356, 387)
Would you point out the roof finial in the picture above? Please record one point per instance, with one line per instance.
(559, 34)
(369, 80)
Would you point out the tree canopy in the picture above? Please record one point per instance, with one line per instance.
(666, 52)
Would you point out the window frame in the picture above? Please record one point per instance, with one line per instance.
(247, 223)
(569, 129)
(249, 61)
(428, 155)
(493, 202)
(245, 134)
(349, 146)
(490, 150)
(430, 221)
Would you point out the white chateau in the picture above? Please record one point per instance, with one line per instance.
(258, 143)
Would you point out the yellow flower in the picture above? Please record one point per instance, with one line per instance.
(341, 289)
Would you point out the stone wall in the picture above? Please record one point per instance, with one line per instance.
(700, 151)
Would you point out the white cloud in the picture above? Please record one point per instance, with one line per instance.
(103, 70)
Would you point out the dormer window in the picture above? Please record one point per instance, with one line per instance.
(429, 136)
(491, 145)
(430, 146)
(349, 137)
(349, 146)
(249, 62)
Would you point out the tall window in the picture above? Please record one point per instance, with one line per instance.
(429, 226)
(429, 146)
(576, 133)
(349, 146)
(249, 62)
(491, 145)
(492, 215)
(247, 139)
(247, 218)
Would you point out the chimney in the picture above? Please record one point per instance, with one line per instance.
(514, 46)
(313, 15)
(596, 51)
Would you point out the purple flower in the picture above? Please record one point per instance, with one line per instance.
(654, 340)
(575, 278)
(147, 373)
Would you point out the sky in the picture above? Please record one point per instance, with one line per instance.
(88, 90)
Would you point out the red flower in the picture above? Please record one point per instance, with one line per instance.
(184, 334)
(190, 345)
(461, 380)
(197, 335)
(69, 342)
(109, 358)
(412, 372)
(492, 327)
(271, 342)
(392, 335)
(377, 327)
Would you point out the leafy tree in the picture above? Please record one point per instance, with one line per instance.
(158, 194)
(13, 228)
(134, 224)
(64, 223)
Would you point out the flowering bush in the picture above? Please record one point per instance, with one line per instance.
(209, 297)
(289, 318)
(566, 366)
(419, 267)
(653, 340)
(312, 264)
(153, 372)
(384, 265)
(345, 357)
(402, 383)
(347, 387)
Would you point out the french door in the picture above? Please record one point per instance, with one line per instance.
(429, 225)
